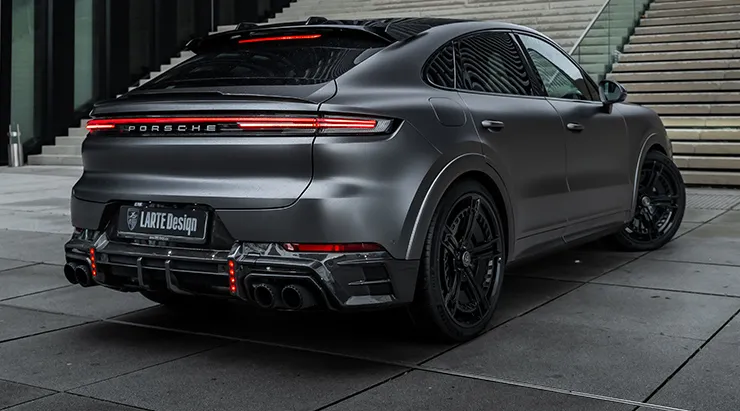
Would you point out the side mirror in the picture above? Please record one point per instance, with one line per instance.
(611, 92)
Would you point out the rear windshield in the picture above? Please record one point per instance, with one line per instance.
(273, 62)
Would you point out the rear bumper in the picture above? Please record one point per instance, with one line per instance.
(340, 282)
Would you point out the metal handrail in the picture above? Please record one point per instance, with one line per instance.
(589, 27)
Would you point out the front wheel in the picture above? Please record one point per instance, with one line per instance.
(462, 264)
(661, 202)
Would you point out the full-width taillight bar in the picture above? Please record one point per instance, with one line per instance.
(324, 125)
(281, 38)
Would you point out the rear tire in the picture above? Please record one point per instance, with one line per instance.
(661, 202)
(462, 265)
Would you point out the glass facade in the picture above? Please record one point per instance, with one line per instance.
(59, 57)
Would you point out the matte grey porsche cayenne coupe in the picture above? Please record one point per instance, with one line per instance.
(348, 165)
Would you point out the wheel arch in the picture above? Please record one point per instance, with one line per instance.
(466, 166)
(653, 142)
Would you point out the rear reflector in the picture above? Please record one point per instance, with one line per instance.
(281, 38)
(190, 125)
(232, 277)
(332, 248)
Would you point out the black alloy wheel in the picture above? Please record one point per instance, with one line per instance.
(659, 208)
(463, 264)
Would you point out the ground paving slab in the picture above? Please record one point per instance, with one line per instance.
(586, 329)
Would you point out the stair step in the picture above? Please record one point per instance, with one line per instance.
(76, 131)
(679, 56)
(729, 85)
(682, 46)
(704, 147)
(669, 5)
(695, 121)
(68, 141)
(61, 150)
(675, 76)
(703, 134)
(683, 37)
(714, 178)
(704, 18)
(688, 28)
(54, 160)
(707, 162)
(695, 109)
(693, 11)
(678, 65)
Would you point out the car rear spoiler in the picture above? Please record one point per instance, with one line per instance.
(203, 43)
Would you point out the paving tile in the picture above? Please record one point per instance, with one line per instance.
(33, 246)
(13, 394)
(73, 357)
(710, 243)
(520, 295)
(243, 376)
(6, 264)
(97, 302)
(63, 402)
(41, 221)
(639, 310)
(18, 322)
(697, 215)
(580, 264)
(383, 335)
(730, 217)
(31, 279)
(730, 334)
(708, 382)
(685, 228)
(386, 336)
(622, 364)
(670, 275)
(420, 390)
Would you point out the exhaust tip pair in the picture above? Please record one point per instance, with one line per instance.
(78, 274)
(293, 296)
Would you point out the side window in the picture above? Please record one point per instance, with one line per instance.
(442, 68)
(491, 63)
(560, 76)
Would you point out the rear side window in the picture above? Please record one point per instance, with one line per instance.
(271, 62)
(492, 64)
(443, 68)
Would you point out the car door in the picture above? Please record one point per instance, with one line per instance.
(521, 134)
(596, 140)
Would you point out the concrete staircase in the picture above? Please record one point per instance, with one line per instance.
(563, 20)
(684, 62)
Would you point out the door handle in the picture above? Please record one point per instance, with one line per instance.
(575, 127)
(492, 125)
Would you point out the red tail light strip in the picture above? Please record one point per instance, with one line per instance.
(93, 265)
(332, 248)
(232, 277)
(280, 38)
(252, 123)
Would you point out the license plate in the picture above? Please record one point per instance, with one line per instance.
(165, 224)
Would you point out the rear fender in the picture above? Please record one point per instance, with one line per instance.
(430, 194)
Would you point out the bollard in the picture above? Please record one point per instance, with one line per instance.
(15, 148)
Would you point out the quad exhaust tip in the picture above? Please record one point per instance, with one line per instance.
(83, 276)
(70, 272)
(265, 295)
(297, 297)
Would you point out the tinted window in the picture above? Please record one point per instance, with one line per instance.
(560, 76)
(441, 71)
(270, 63)
(492, 64)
